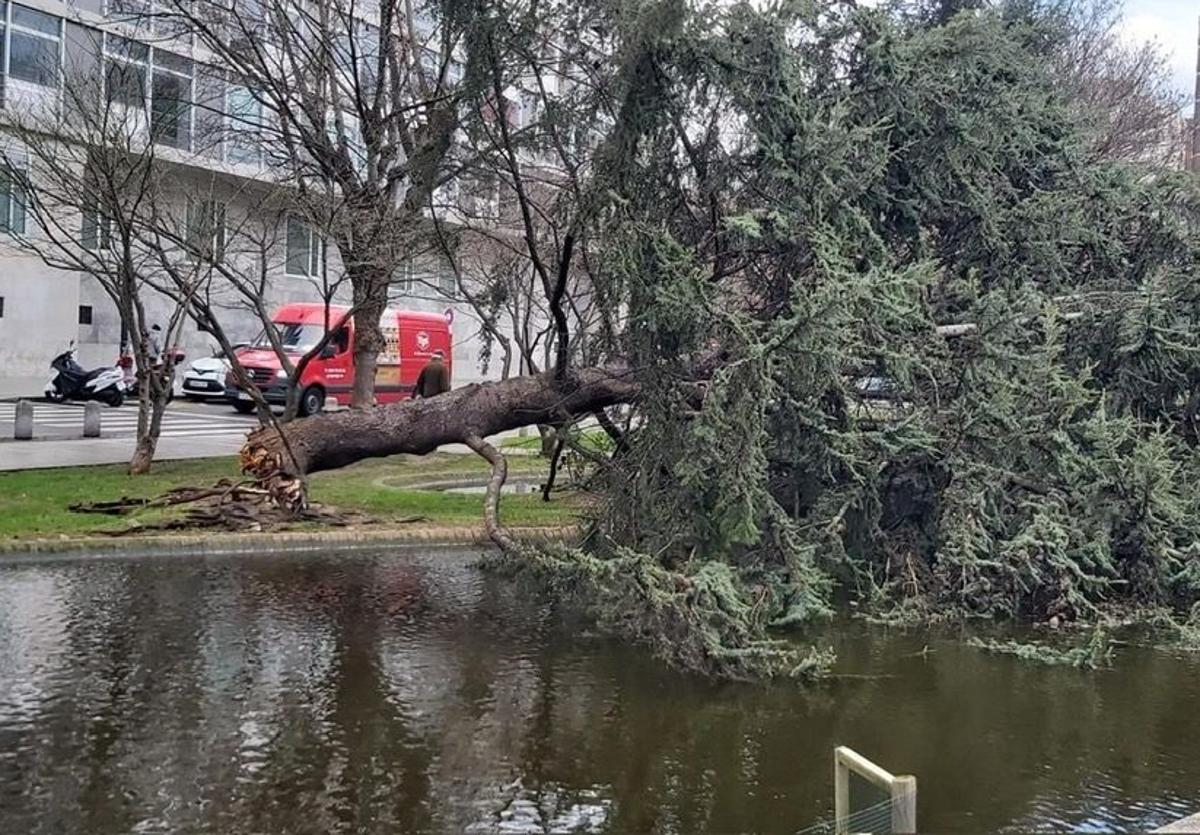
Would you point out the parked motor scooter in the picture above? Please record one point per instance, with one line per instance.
(73, 382)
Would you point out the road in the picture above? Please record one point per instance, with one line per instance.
(190, 430)
(182, 419)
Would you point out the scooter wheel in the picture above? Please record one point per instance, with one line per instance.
(53, 397)
(114, 398)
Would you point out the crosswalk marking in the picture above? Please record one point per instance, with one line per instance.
(63, 418)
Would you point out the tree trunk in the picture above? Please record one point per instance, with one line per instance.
(152, 402)
(143, 454)
(280, 457)
(549, 439)
(370, 303)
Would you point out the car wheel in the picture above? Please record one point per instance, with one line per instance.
(312, 401)
(243, 407)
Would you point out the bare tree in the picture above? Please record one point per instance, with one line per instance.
(1122, 90)
(362, 107)
(89, 171)
(219, 261)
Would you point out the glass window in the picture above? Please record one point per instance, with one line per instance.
(447, 283)
(32, 19)
(33, 46)
(12, 203)
(125, 83)
(129, 11)
(245, 118)
(404, 277)
(96, 230)
(295, 337)
(33, 58)
(206, 229)
(125, 71)
(170, 111)
(125, 48)
(303, 249)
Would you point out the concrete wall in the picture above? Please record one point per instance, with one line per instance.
(41, 310)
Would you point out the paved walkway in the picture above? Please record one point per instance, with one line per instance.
(190, 430)
(65, 420)
(30, 387)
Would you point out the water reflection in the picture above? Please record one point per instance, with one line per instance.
(409, 694)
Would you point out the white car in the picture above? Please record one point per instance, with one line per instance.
(205, 377)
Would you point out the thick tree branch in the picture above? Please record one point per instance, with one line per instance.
(491, 502)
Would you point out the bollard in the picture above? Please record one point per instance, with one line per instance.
(91, 420)
(23, 424)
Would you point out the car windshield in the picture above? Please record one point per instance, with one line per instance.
(296, 338)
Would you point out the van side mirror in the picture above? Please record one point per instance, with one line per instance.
(328, 352)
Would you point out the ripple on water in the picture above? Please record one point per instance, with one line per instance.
(409, 693)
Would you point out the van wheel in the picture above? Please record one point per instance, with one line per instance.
(312, 401)
(243, 407)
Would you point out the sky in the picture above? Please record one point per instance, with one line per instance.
(1174, 25)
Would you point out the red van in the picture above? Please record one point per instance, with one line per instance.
(411, 336)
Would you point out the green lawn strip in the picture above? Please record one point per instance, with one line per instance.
(34, 503)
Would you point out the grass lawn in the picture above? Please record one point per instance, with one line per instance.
(34, 503)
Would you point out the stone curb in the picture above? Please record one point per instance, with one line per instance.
(283, 542)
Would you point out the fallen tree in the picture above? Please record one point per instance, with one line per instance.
(280, 457)
(813, 196)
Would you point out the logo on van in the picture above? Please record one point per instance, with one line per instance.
(422, 341)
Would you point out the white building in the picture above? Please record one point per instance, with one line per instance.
(43, 308)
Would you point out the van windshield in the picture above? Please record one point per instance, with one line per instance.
(296, 338)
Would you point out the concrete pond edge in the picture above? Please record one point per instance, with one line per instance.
(275, 542)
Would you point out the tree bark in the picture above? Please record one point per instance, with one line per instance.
(280, 457)
(370, 303)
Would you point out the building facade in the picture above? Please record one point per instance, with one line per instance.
(198, 120)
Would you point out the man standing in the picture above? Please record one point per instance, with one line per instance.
(434, 378)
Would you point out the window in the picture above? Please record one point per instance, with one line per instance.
(125, 71)
(135, 74)
(145, 15)
(431, 67)
(33, 40)
(170, 100)
(12, 202)
(205, 233)
(85, 314)
(245, 120)
(303, 249)
(448, 283)
(404, 277)
(247, 24)
(1, 307)
(96, 229)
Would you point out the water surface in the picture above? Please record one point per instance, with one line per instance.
(407, 693)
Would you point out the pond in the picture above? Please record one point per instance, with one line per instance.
(408, 693)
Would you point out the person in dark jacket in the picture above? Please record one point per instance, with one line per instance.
(434, 378)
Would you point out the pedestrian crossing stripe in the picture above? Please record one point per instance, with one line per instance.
(60, 417)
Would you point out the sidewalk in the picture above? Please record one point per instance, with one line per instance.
(27, 387)
(37, 455)
(44, 454)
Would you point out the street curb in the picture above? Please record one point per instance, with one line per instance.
(284, 542)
